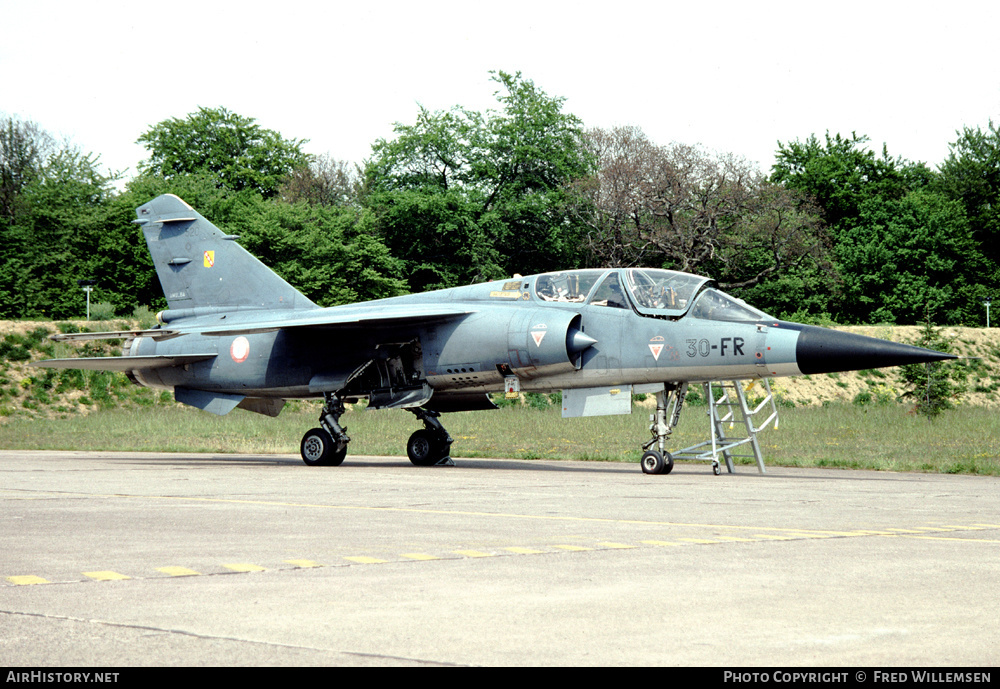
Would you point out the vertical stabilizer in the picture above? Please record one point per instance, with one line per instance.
(199, 266)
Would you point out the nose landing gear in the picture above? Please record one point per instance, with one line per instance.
(659, 461)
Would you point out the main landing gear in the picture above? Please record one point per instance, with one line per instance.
(327, 445)
(431, 445)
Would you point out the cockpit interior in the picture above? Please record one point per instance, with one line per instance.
(650, 292)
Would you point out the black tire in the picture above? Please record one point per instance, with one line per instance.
(668, 463)
(424, 449)
(317, 449)
(652, 462)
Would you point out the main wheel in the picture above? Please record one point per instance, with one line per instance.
(424, 449)
(318, 449)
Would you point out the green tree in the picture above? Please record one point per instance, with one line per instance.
(234, 150)
(937, 385)
(54, 239)
(24, 148)
(899, 244)
(464, 196)
(971, 175)
(329, 253)
(839, 175)
(901, 257)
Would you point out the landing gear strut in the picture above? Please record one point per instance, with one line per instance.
(326, 446)
(659, 461)
(431, 445)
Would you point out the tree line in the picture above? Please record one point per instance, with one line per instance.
(835, 232)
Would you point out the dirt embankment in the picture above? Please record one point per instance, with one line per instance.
(983, 379)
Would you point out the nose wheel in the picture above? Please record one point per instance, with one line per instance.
(662, 423)
(653, 462)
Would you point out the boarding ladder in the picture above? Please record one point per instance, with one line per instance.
(732, 424)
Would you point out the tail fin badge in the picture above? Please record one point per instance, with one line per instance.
(209, 259)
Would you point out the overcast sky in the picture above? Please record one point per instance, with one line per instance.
(732, 76)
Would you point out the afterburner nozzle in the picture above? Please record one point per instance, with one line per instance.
(820, 350)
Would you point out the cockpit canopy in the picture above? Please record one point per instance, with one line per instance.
(649, 291)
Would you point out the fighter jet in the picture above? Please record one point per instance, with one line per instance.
(235, 334)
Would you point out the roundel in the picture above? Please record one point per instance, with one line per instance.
(240, 349)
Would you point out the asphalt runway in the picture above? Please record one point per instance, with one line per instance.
(133, 559)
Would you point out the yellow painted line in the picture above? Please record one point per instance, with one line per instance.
(525, 551)
(105, 576)
(747, 540)
(244, 567)
(178, 571)
(472, 553)
(702, 541)
(769, 537)
(304, 563)
(953, 538)
(661, 543)
(514, 515)
(505, 515)
(419, 556)
(411, 510)
(27, 580)
(363, 560)
(572, 548)
(904, 531)
(619, 546)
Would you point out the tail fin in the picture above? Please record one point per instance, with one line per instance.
(199, 266)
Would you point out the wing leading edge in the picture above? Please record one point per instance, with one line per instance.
(397, 315)
(124, 363)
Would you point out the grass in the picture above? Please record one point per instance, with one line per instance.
(880, 437)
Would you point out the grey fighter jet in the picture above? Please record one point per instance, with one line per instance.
(237, 335)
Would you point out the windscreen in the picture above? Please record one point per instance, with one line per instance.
(719, 306)
(568, 286)
(658, 292)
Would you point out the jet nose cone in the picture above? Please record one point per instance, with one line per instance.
(819, 350)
